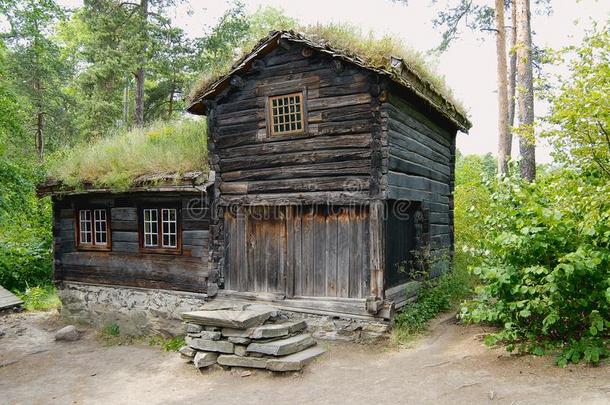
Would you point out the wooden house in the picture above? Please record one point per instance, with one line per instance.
(333, 187)
(334, 178)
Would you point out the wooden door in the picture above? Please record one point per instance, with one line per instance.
(255, 250)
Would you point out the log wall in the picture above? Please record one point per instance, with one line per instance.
(125, 264)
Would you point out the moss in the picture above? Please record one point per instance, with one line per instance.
(351, 41)
(116, 161)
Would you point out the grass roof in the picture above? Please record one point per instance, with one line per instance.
(118, 160)
(352, 41)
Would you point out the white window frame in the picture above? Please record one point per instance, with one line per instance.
(93, 229)
(172, 227)
(150, 224)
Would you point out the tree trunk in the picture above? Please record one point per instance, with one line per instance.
(503, 133)
(40, 134)
(140, 72)
(512, 71)
(170, 107)
(525, 91)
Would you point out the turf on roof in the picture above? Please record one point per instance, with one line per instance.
(379, 54)
(121, 159)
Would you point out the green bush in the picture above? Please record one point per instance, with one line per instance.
(25, 228)
(546, 272)
(40, 298)
(434, 296)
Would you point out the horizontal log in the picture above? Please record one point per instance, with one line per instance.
(341, 101)
(335, 183)
(417, 183)
(350, 167)
(294, 159)
(119, 236)
(124, 214)
(124, 225)
(299, 145)
(399, 165)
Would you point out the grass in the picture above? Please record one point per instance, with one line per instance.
(434, 297)
(43, 298)
(352, 40)
(172, 344)
(117, 160)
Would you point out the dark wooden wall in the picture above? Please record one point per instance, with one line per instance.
(124, 264)
(421, 164)
(332, 155)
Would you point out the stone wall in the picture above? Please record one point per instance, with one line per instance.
(137, 311)
(140, 311)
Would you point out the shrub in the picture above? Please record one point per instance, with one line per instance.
(434, 296)
(40, 298)
(546, 274)
(172, 344)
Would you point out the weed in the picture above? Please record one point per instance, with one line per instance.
(43, 298)
(172, 344)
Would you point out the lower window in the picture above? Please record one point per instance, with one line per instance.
(160, 228)
(93, 228)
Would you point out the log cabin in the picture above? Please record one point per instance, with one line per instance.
(332, 191)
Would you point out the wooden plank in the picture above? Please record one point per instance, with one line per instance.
(8, 299)
(319, 254)
(343, 253)
(349, 167)
(124, 214)
(376, 257)
(125, 247)
(119, 236)
(241, 262)
(298, 249)
(307, 252)
(290, 252)
(355, 262)
(199, 237)
(335, 183)
(340, 101)
(331, 255)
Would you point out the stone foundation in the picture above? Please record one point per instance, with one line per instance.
(137, 311)
(140, 311)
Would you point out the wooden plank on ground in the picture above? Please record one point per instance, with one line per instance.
(8, 299)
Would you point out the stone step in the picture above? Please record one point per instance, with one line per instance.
(229, 318)
(277, 329)
(295, 361)
(206, 345)
(283, 347)
(231, 360)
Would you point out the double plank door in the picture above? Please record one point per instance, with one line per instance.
(309, 251)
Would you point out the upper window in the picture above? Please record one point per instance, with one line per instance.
(286, 114)
(160, 228)
(93, 228)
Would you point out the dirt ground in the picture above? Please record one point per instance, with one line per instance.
(450, 365)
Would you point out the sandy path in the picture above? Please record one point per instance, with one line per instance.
(450, 365)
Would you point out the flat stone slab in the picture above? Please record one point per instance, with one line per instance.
(228, 318)
(277, 329)
(193, 328)
(207, 345)
(231, 332)
(187, 352)
(238, 361)
(295, 361)
(205, 359)
(239, 340)
(283, 347)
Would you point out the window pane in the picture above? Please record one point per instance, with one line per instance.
(169, 227)
(151, 228)
(84, 223)
(100, 227)
(286, 114)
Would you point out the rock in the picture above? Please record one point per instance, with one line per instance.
(239, 340)
(296, 361)
(187, 351)
(205, 334)
(240, 350)
(284, 346)
(238, 361)
(211, 328)
(68, 333)
(246, 373)
(231, 332)
(277, 329)
(209, 345)
(205, 359)
(228, 319)
(193, 328)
